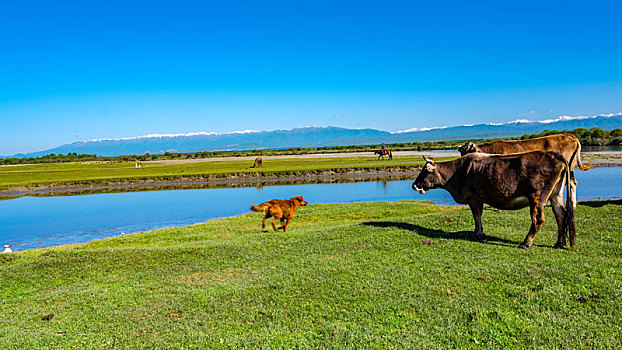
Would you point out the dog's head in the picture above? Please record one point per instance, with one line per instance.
(299, 200)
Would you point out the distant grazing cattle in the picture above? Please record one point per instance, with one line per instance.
(382, 153)
(566, 144)
(508, 182)
(138, 165)
(258, 163)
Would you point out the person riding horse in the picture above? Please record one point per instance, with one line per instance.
(384, 152)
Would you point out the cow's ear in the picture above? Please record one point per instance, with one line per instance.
(472, 148)
(428, 160)
(430, 166)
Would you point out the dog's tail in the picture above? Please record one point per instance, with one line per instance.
(261, 207)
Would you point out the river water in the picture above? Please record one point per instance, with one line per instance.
(34, 222)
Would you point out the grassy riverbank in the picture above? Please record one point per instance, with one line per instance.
(345, 275)
(98, 173)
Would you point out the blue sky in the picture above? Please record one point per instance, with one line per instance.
(83, 70)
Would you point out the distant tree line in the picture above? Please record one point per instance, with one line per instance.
(55, 158)
(588, 137)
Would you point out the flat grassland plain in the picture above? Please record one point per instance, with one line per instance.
(365, 275)
(59, 175)
(101, 173)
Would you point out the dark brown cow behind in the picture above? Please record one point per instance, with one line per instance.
(566, 144)
(508, 182)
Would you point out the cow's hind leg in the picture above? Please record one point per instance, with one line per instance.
(573, 190)
(536, 208)
(539, 199)
(557, 204)
(477, 209)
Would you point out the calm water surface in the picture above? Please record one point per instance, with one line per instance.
(601, 148)
(33, 222)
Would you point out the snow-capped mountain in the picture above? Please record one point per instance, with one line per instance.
(321, 136)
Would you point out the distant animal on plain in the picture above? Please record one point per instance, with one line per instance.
(279, 209)
(138, 165)
(509, 182)
(382, 153)
(258, 162)
(566, 144)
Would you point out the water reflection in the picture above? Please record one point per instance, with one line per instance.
(30, 222)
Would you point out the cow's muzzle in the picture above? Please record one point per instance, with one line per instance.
(420, 190)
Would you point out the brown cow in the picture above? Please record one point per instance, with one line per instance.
(566, 144)
(508, 182)
(258, 162)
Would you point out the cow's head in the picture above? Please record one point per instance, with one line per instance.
(467, 148)
(428, 178)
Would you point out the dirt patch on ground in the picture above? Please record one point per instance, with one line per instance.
(599, 159)
(314, 155)
(603, 159)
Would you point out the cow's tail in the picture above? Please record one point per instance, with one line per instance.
(263, 207)
(569, 226)
(577, 156)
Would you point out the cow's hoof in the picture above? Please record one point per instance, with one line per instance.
(524, 246)
(558, 246)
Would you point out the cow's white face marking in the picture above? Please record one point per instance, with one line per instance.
(430, 167)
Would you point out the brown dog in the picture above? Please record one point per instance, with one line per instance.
(280, 210)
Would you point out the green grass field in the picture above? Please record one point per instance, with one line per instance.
(41, 174)
(344, 276)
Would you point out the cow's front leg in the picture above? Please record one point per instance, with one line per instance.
(537, 220)
(477, 209)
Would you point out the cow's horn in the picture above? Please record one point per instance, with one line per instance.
(426, 159)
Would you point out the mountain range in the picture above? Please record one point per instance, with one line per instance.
(320, 136)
